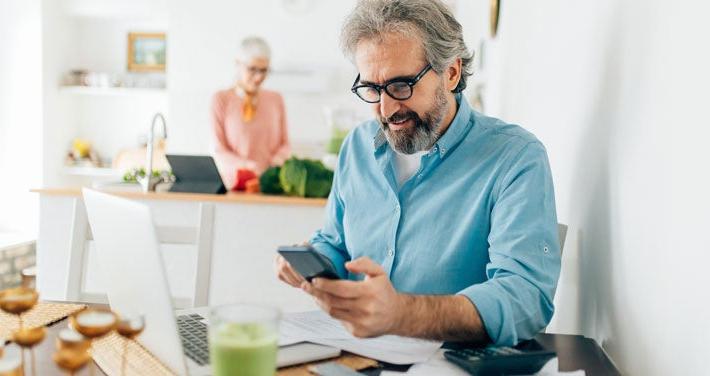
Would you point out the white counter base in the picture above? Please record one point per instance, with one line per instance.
(245, 236)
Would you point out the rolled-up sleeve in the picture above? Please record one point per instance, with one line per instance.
(516, 301)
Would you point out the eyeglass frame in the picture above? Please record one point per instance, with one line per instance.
(256, 70)
(409, 81)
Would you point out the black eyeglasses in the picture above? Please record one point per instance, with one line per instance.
(256, 70)
(398, 88)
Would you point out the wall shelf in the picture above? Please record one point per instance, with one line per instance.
(110, 91)
(91, 171)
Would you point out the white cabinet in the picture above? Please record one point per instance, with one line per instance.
(244, 238)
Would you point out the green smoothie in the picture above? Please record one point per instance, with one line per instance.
(336, 140)
(246, 349)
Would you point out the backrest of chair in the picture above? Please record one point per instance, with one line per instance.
(562, 230)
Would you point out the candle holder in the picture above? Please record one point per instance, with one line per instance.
(69, 338)
(28, 338)
(72, 351)
(10, 362)
(93, 323)
(71, 360)
(17, 301)
(129, 328)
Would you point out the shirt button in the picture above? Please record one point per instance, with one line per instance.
(390, 252)
(443, 150)
(545, 249)
(396, 208)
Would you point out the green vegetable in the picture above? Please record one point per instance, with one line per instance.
(305, 178)
(132, 176)
(269, 182)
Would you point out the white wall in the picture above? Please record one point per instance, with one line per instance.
(20, 113)
(114, 123)
(202, 45)
(92, 35)
(617, 91)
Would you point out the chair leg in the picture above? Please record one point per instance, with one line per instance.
(77, 252)
(204, 255)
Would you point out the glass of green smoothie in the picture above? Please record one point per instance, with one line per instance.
(243, 340)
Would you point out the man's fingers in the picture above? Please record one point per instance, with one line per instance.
(294, 278)
(286, 273)
(342, 287)
(330, 300)
(365, 265)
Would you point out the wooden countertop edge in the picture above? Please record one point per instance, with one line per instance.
(232, 197)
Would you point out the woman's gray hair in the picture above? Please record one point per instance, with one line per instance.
(252, 47)
(431, 20)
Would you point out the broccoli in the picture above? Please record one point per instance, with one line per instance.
(269, 181)
(305, 178)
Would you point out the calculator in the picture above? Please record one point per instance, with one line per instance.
(500, 360)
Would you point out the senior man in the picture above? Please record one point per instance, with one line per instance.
(441, 220)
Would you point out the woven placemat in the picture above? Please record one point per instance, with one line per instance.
(108, 350)
(42, 314)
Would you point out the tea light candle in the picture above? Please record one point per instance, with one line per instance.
(95, 319)
(17, 298)
(10, 364)
(69, 335)
(131, 326)
(133, 323)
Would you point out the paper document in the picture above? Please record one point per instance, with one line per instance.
(319, 327)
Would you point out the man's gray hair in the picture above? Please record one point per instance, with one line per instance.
(252, 47)
(431, 20)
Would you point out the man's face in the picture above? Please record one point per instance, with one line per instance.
(410, 125)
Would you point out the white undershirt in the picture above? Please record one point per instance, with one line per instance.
(405, 165)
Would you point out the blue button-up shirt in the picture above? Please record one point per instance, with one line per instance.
(477, 219)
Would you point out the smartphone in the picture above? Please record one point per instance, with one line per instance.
(308, 262)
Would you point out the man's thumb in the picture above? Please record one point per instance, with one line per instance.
(364, 265)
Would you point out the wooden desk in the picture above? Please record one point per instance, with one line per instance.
(574, 352)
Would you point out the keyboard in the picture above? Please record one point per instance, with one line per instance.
(193, 334)
(499, 360)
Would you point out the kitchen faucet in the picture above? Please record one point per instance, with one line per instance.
(148, 181)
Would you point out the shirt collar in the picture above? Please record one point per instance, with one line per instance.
(457, 129)
(454, 133)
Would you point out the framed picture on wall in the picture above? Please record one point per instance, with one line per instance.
(146, 52)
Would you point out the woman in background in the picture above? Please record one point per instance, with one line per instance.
(249, 123)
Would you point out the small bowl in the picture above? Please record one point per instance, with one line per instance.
(71, 339)
(130, 327)
(18, 300)
(71, 360)
(94, 322)
(29, 337)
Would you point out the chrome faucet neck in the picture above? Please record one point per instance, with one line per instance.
(149, 182)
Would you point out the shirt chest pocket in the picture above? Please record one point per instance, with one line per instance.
(369, 229)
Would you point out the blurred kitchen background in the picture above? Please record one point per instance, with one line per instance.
(615, 89)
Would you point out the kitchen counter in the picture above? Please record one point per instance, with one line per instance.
(233, 197)
(217, 249)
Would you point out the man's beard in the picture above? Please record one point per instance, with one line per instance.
(423, 133)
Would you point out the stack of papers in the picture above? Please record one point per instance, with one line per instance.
(319, 327)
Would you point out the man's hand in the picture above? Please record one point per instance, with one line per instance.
(286, 273)
(367, 308)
